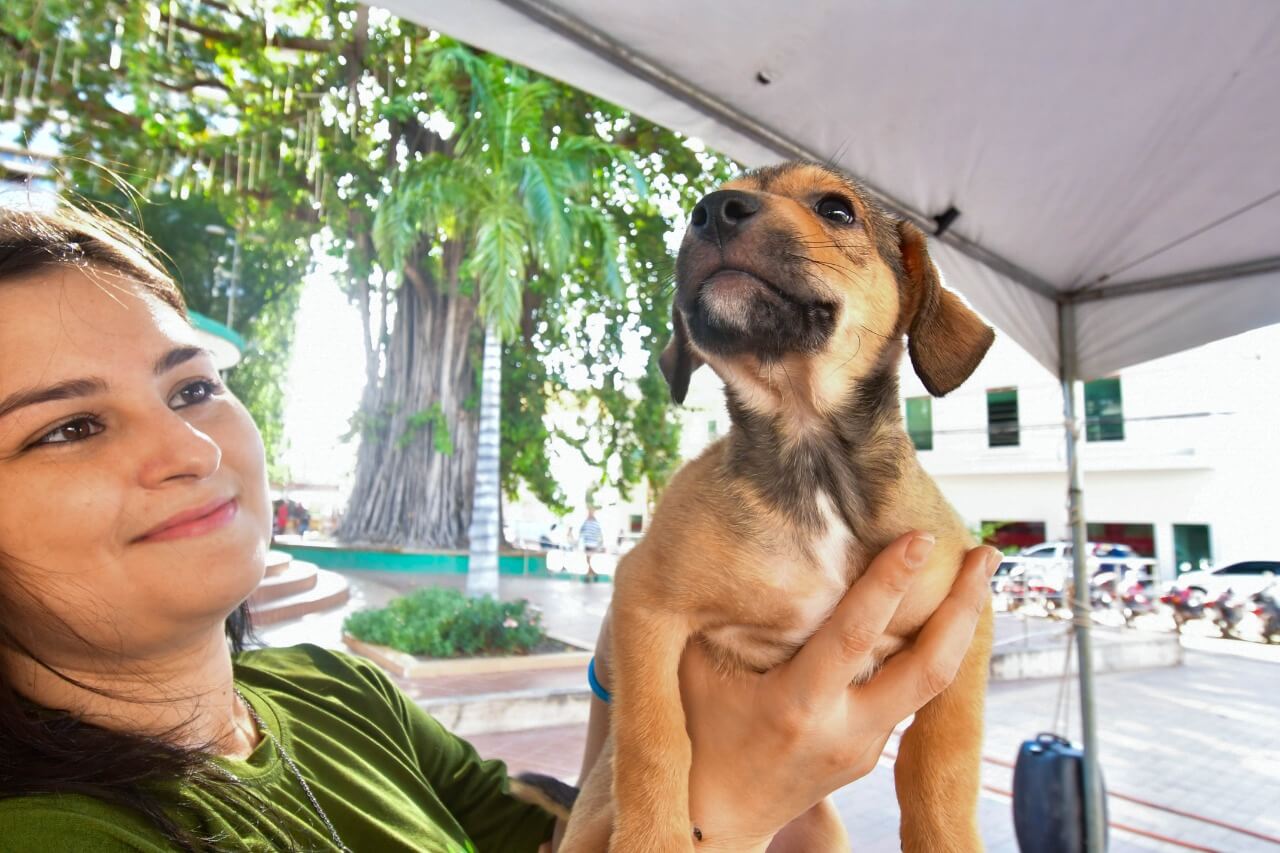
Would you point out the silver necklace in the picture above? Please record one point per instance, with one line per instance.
(288, 760)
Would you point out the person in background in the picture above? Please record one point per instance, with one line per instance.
(592, 539)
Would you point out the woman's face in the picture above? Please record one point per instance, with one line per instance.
(133, 494)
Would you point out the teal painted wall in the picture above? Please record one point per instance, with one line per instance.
(327, 557)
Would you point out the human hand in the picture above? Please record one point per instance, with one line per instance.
(767, 748)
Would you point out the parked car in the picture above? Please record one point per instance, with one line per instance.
(1000, 581)
(1245, 579)
(1049, 563)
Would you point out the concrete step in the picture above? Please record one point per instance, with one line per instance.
(295, 577)
(277, 562)
(330, 590)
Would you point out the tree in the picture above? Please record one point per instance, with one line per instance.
(320, 120)
(506, 193)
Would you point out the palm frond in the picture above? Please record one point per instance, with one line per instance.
(497, 264)
(543, 187)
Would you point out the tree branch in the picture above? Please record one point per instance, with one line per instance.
(192, 84)
(303, 43)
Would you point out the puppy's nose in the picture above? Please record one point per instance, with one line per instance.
(721, 214)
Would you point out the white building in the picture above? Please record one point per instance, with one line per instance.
(1180, 461)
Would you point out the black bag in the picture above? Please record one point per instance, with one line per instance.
(1048, 796)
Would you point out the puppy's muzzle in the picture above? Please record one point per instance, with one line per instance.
(722, 215)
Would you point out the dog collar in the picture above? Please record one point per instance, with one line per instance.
(596, 687)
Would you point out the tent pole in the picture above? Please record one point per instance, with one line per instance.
(1082, 615)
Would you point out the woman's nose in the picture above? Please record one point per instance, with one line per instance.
(174, 449)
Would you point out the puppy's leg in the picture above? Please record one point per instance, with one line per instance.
(591, 820)
(651, 747)
(818, 830)
(938, 771)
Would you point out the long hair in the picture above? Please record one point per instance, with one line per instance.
(49, 750)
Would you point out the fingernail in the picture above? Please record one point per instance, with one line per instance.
(918, 549)
(994, 559)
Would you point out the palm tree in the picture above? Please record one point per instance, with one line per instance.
(509, 193)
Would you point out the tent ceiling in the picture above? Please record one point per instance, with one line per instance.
(1087, 146)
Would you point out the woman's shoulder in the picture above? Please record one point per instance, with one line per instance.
(305, 660)
(307, 670)
(45, 822)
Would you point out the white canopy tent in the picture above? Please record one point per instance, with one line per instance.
(1115, 167)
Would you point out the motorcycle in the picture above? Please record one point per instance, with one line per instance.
(1228, 611)
(1187, 604)
(1266, 606)
(1135, 601)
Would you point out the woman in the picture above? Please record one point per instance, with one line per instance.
(134, 522)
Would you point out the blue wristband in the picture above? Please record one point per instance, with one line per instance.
(596, 687)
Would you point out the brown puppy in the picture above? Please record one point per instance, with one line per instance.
(797, 290)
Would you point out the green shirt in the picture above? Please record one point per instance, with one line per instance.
(387, 774)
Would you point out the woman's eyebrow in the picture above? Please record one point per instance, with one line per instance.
(73, 388)
(68, 390)
(175, 357)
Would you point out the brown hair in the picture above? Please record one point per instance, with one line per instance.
(33, 240)
(47, 750)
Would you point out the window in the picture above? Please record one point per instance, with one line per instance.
(1002, 417)
(1256, 568)
(1140, 537)
(712, 429)
(1191, 547)
(1103, 411)
(1014, 535)
(920, 422)
(637, 524)
(1050, 551)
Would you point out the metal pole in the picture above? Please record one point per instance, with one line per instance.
(235, 280)
(1082, 615)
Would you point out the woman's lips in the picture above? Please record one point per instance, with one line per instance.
(217, 517)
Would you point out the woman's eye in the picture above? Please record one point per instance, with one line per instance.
(836, 209)
(71, 431)
(193, 393)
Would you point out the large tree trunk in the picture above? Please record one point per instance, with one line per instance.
(486, 515)
(406, 491)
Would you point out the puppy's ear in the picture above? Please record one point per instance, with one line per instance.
(945, 338)
(678, 361)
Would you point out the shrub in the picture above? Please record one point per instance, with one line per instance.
(444, 623)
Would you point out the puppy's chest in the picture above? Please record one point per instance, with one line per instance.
(787, 596)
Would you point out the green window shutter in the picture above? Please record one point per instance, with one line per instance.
(920, 422)
(1192, 547)
(1103, 410)
(1002, 417)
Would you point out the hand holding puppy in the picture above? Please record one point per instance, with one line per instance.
(767, 749)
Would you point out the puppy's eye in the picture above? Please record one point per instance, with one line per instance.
(836, 209)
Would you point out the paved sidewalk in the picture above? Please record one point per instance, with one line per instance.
(570, 609)
(1200, 738)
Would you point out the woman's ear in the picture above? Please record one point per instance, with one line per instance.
(678, 361)
(945, 338)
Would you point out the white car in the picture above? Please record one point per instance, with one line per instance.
(1052, 561)
(1244, 579)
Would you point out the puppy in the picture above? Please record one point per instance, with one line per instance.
(796, 289)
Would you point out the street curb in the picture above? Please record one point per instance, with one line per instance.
(1110, 654)
(520, 710)
(511, 711)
